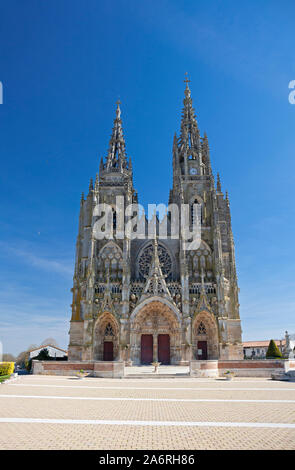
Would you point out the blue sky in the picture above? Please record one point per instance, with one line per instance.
(64, 63)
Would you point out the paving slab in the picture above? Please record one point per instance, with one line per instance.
(146, 414)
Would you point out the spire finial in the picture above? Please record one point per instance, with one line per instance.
(218, 185)
(187, 89)
(118, 110)
(186, 80)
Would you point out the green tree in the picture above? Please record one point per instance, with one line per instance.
(273, 351)
(22, 358)
(43, 355)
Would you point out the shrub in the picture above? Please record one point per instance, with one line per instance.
(6, 368)
(273, 351)
(4, 377)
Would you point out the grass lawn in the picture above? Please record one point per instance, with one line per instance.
(4, 377)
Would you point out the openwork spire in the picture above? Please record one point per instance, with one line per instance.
(206, 153)
(189, 131)
(116, 158)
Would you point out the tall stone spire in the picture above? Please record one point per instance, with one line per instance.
(191, 156)
(116, 158)
(189, 131)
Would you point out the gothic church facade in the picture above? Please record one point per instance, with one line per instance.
(146, 300)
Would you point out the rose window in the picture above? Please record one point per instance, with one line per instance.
(145, 260)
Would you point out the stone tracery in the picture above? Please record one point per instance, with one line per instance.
(145, 259)
(110, 261)
(198, 261)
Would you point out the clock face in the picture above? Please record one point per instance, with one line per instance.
(193, 171)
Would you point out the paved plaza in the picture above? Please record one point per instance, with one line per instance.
(47, 412)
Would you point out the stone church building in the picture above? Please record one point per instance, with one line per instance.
(146, 300)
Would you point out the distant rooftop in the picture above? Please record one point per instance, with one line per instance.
(261, 344)
(44, 346)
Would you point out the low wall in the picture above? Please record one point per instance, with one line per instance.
(95, 369)
(209, 368)
(252, 368)
(109, 369)
(204, 368)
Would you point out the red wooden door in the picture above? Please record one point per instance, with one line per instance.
(202, 350)
(108, 351)
(146, 349)
(164, 349)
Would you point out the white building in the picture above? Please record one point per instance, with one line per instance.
(53, 351)
(258, 349)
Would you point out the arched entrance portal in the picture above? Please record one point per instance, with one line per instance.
(106, 338)
(155, 334)
(204, 337)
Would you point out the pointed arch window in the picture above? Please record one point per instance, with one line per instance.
(202, 329)
(109, 330)
(114, 219)
(109, 259)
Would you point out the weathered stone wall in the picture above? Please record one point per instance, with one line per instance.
(76, 341)
(204, 368)
(263, 368)
(109, 369)
(95, 369)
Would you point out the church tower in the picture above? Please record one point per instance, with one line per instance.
(102, 268)
(143, 300)
(210, 271)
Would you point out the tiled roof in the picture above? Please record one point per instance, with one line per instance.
(43, 346)
(261, 344)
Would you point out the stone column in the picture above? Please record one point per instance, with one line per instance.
(155, 347)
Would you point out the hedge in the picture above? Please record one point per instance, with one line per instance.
(6, 368)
